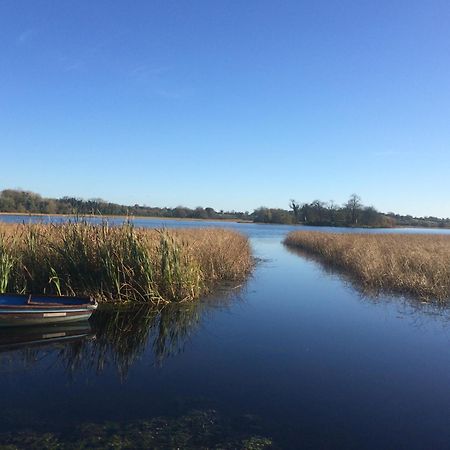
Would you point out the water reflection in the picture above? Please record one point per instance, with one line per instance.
(418, 311)
(115, 337)
(122, 335)
(22, 338)
(26, 346)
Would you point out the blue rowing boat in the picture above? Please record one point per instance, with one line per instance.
(31, 309)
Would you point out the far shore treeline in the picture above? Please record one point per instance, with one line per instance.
(351, 214)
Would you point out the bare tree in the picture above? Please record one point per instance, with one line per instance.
(332, 211)
(295, 206)
(319, 208)
(354, 206)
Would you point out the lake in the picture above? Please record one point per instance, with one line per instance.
(296, 356)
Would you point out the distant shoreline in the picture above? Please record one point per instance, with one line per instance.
(191, 219)
(218, 220)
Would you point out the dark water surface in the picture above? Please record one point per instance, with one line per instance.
(296, 355)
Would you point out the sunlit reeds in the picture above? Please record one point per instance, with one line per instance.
(119, 263)
(414, 264)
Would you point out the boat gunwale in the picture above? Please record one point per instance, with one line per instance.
(84, 309)
(30, 305)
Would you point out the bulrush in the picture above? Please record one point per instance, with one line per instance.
(121, 263)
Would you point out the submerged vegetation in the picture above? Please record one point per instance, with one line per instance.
(196, 429)
(412, 264)
(119, 263)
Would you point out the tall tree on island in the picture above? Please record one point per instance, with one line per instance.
(295, 206)
(354, 207)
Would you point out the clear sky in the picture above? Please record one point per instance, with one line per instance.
(228, 104)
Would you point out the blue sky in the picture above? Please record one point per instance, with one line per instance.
(229, 104)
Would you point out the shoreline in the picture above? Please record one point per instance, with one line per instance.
(190, 219)
(218, 220)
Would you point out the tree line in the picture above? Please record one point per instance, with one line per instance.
(17, 201)
(351, 214)
(319, 213)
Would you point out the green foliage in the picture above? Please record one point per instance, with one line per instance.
(180, 275)
(6, 264)
(272, 215)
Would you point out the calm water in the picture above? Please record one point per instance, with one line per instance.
(296, 355)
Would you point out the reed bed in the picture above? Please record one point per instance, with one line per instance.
(411, 264)
(120, 263)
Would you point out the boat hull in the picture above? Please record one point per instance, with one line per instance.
(18, 310)
(41, 318)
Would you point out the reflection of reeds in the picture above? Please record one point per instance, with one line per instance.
(122, 334)
(119, 263)
(418, 265)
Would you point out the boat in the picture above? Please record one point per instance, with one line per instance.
(33, 309)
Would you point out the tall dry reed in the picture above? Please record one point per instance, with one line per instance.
(119, 263)
(414, 264)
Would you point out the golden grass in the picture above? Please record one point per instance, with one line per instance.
(120, 263)
(414, 264)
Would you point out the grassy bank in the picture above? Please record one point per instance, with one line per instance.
(119, 263)
(417, 265)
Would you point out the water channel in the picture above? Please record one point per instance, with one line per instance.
(297, 357)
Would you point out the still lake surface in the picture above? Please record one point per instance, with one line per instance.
(297, 355)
